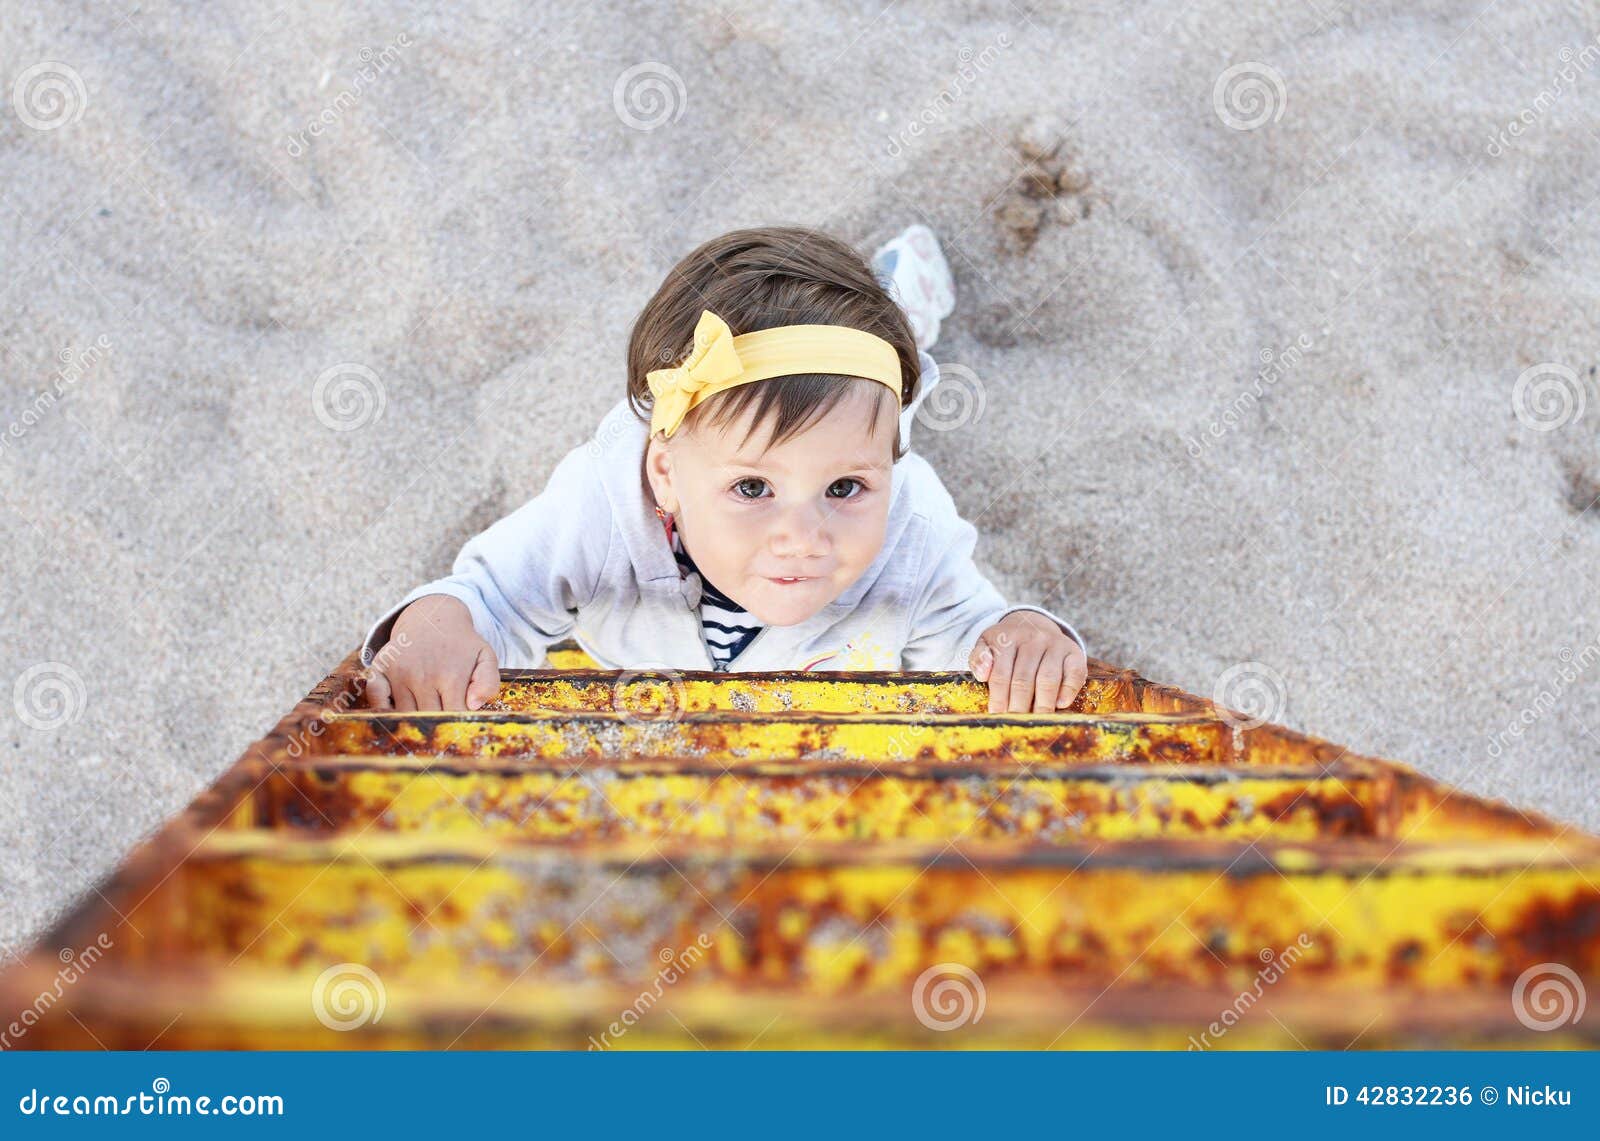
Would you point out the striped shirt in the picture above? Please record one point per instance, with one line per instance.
(728, 627)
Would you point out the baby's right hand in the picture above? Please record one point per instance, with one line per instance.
(436, 660)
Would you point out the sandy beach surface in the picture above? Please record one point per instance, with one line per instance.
(1276, 329)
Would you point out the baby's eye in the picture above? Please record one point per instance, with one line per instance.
(741, 487)
(846, 483)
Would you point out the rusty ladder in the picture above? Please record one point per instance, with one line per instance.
(604, 859)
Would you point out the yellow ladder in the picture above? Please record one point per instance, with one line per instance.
(687, 859)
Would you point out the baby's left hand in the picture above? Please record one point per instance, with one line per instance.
(1031, 665)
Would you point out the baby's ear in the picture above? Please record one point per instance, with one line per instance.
(658, 470)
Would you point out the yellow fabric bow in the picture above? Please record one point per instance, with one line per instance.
(712, 360)
(720, 360)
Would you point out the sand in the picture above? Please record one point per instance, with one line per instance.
(1249, 343)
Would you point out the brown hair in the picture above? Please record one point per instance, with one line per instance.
(759, 279)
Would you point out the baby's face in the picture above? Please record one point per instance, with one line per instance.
(782, 529)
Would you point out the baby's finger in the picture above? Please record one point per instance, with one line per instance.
(981, 660)
(1019, 698)
(1047, 685)
(1073, 677)
(404, 700)
(1005, 654)
(453, 692)
(375, 693)
(484, 684)
(451, 686)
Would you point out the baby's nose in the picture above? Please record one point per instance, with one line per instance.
(800, 532)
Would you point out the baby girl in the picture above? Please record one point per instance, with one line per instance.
(751, 505)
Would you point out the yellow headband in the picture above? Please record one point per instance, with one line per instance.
(720, 360)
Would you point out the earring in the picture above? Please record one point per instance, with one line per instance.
(660, 514)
